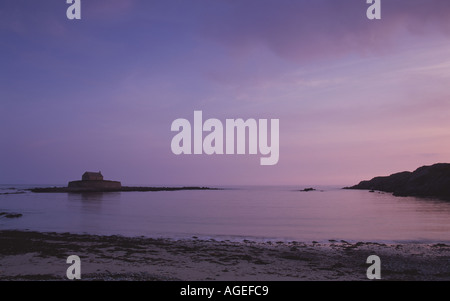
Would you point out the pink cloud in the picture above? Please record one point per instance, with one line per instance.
(304, 30)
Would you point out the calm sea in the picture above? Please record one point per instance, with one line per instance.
(256, 213)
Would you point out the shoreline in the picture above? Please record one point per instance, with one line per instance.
(30, 255)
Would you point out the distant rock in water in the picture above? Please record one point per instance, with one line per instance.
(10, 215)
(426, 181)
(308, 189)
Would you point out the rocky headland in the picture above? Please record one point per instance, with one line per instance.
(426, 181)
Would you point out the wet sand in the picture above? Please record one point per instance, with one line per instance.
(42, 256)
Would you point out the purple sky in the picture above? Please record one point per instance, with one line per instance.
(355, 98)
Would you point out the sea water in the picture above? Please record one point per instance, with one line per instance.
(234, 213)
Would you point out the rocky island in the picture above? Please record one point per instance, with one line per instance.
(94, 182)
(308, 189)
(426, 181)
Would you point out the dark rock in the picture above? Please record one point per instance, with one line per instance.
(95, 185)
(120, 189)
(11, 215)
(94, 182)
(308, 189)
(426, 181)
(16, 192)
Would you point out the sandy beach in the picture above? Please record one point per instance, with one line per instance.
(42, 256)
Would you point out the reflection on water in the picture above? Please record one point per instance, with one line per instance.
(274, 212)
(91, 201)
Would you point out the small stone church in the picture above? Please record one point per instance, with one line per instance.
(92, 176)
(93, 181)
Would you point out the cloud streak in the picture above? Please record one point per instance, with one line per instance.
(304, 30)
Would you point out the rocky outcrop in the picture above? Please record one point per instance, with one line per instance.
(118, 189)
(426, 181)
(308, 189)
(95, 185)
(10, 215)
(93, 182)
